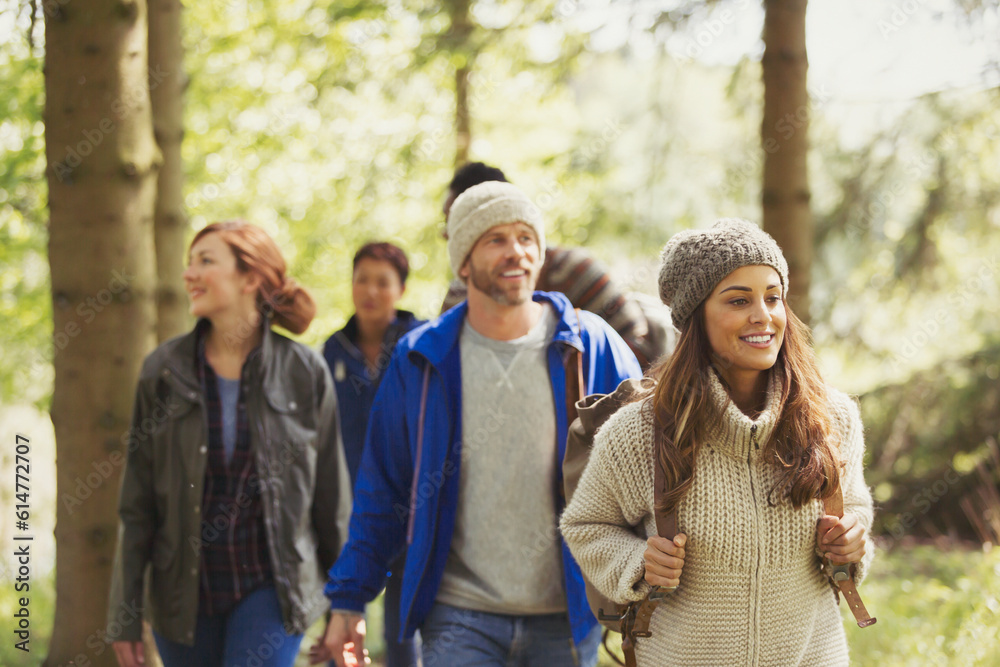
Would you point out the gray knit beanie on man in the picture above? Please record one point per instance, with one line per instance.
(695, 260)
(484, 206)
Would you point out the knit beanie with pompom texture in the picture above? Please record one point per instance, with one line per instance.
(695, 260)
(484, 206)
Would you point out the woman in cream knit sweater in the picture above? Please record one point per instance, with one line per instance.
(751, 442)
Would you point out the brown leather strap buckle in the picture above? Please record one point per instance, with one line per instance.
(841, 572)
(841, 575)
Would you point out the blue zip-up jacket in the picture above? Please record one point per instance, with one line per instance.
(356, 382)
(382, 505)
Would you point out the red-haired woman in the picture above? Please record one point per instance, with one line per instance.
(235, 494)
(751, 443)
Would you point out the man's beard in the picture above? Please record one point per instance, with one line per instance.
(491, 287)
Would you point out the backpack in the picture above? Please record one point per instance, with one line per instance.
(586, 416)
(660, 338)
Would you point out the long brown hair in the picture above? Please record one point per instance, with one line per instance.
(291, 306)
(800, 447)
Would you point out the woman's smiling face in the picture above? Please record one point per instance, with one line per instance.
(745, 320)
(212, 280)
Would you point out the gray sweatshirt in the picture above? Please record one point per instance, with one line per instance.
(505, 555)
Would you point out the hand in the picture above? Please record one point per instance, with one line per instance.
(664, 560)
(129, 654)
(343, 642)
(841, 540)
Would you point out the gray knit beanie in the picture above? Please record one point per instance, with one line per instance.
(695, 260)
(484, 206)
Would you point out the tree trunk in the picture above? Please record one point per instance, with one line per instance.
(101, 172)
(458, 39)
(784, 137)
(463, 134)
(166, 88)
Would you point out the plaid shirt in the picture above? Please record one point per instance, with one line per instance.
(234, 554)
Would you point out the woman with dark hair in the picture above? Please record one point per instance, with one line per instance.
(751, 444)
(235, 494)
(357, 356)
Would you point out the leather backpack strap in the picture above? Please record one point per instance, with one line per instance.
(575, 386)
(666, 525)
(641, 613)
(575, 391)
(841, 574)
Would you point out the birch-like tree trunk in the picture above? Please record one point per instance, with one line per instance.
(101, 170)
(458, 39)
(784, 136)
(167, 82)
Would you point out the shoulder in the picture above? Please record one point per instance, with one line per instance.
(573, 255)
(844, 409)
(333, 347)
(594, 326)
(408, 341)
(289, 354)
(407, 321)
(845, 416)
(628, 431)
(171, 350)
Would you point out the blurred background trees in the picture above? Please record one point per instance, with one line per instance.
(332, 123)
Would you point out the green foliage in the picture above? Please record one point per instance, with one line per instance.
(909, 250)
(25, 305)
(932, 445)
(905, 300)
(934, 607)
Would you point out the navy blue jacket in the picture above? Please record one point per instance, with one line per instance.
(356, 382)
(382, 507)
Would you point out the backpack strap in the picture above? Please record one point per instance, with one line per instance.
(636, 622)
(666, 525)
(842, 574)
(636, 619)
(420, 453)
(575, 386)
(575, 391)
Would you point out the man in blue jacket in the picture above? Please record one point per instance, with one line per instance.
(461, 466)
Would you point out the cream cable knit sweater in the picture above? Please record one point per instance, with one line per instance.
(751, 591)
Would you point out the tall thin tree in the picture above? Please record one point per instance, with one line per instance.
(167, 82)
(784, 137)
(457, 39)
(101, 171)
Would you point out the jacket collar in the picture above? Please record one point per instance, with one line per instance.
(440, 336)
(347, 337)
(183, 358)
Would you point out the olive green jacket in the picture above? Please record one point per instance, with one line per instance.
(304, 484)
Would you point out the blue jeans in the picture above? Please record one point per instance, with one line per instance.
(251, 635)
(454, 637)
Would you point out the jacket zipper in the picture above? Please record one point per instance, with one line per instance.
(755, 588)
(423, 571)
